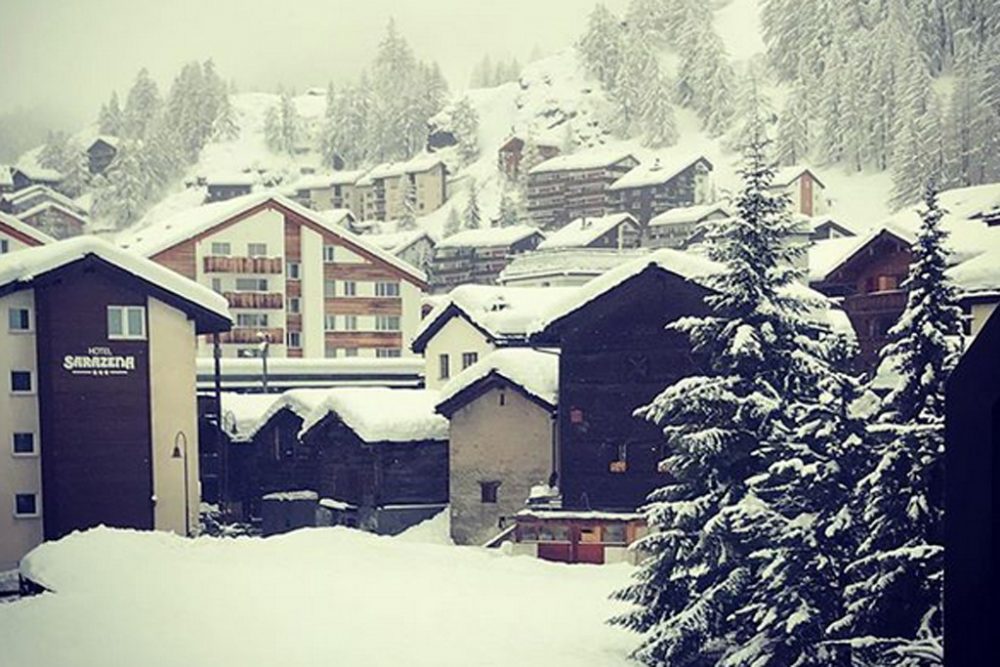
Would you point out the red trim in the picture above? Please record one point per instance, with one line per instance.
(20, 236)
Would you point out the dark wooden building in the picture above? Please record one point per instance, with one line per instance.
(574, 186)
(221, 189)
(56, 220)
(972, 501)
(511, 158)
(479, 255)
(608, 459)
(650, 189)
(101, 153)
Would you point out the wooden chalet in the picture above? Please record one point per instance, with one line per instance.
(665, 183)
(577, 536)
(101, 153)
(24, 177)
(511, 158)
(56, 220)
(676, 227)
(617, 231)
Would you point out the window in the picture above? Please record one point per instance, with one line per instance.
(127, 322)
(294, 271)
(350, 288)
(330, 323)
(488, 491)
(350, 351)
(387, 352)
(23, 444)
(221, 248)
(614, 533)
(444, 371)
(217, 285)
(328, 254)
(295, 339)
(25, 504)
(330, 352)
(469, 358)
(386, 289)
(387, 323)
(257, 249)
(251, 319)
(21, 382)
(350, 322)
(251, 284)
(294, 304)
(329, 289)
(19, 319)
(4, 246)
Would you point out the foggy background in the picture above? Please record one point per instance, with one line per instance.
(61, 59)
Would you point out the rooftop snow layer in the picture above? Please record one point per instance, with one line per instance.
(565, 262)
(787, 175)
(36, 173)
(583, 231)
(300, 402)
(45, 205)
(534, 371)
(380, 414)
(979, 274)
(687, 214)
(395, 242)
(24, 265)
(24, 228)
(19, 196)
(415, 165)
(827, 255)
(489, 237)
(655, 172)
(594, 158)
(242, 412)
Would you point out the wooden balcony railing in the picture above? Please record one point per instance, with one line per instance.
(226, 264)
(248, 335)
(893, 301)
(255, 299)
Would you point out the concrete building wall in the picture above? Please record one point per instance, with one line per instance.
(454, 338)
(18, 414)
(174, 418)
(312, 306)
(11, 242)
(503, 437)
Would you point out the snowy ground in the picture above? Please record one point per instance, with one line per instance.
(313, 597)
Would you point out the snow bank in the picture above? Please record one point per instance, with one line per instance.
(436, 530)
(309, 598)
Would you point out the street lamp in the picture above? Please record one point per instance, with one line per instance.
(181, 452)
(264, 347)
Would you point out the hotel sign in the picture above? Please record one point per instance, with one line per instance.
(99, 361)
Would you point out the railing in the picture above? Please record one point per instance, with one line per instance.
(255, 299)
(226, 264)
(876, 302)
(275, 335)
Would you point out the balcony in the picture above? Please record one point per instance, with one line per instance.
(227, 264)
(255, 299)
(891, 301)
(251, 335)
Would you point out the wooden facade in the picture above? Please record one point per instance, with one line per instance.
(100, 154)
(674, 190)
(510, 157)
(557, 196)
(608, 459)
(482, 265)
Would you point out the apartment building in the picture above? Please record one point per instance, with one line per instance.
(575, 186)
(381, 194)
(663, 183)
(305, 286)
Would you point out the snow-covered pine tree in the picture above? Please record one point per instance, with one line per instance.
(510, 210)
(465, 123)
(793, 136)
(225, 127)
(142, 106)
(55, 151)
(109, 121)
(705, 80)
(291, 125)
(602, 46)
(453, 223)
(123, 200)
(650, 18)
(409, 220)
(273, 135)
(706, 523)
(631, 85)
(894, 595)
(754, 106)
(472, 217)
(659, 126)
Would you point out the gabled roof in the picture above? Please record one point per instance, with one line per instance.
(23, 231)
(489, 237)
(979, 275)
(19, 270)
(581, 262)
(581, 232)
(380, 414)
(415, 165)
(788, 175)
(659, 171)
(827, 221)
(595, 158)
(40, 174)
(826, 257)
(164, 234)
(688, 214)
(103, 139)
(397, 242)
(300, 402)
(45, 205)
(502, 314)
(534, 373)
(41, 190)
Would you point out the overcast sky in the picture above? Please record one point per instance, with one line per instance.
(68, 55)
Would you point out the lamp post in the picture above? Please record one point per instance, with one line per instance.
(265, 346)
(181, 452)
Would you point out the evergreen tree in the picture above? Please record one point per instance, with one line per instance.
(409, 220)
(122, 202)
(603, 45)
(110, 119)
(142, 106)
(659, 127)
(472, 218)
(631, 84)
(794, 137)
(894, 594)
(510, 213)
(465, 124)
(282, 126)
(453, 223)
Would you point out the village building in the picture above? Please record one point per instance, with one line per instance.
(101, 153)
(248, 374)
(501, 413)
(55, 220)
(222, 187)
(25, 176)
(472, 321)
(804, 189)
(382, 192)
(665, 183)
(978, 283)
(99, 367)
(296, 282)
(480, 255)
(616, 231)
(17, 235)
(6, 179)
(415, 246)
(575, 186)
(674, 228)
(972, 431)
(824, 227)
(512, 161)
(579, 536)
(344, 191)
(33, 195)
(564, 267)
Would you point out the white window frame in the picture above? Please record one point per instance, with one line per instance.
(349, 288)
(34, 445)
(260, 285)
(329, 322)
(466, 356)
(265, 325)
(386, 289)
(221, 249)
(383, 322)
(294, 340)
(256, 250)
(329, 254)
(19, 309)
(351, 323)
(38, 505)
(126, 334)
(388, 352)
(21, 392)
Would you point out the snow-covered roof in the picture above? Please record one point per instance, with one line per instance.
(501, 313)
(829, 254)
(688, 214)
(26, 265)
(595, 158)
(658, 171)
(589, 262)
(396, 242)
(489, 237)
(45, 205)
(163, 234)
(231, 179)
(40, 189)
(326, 179)
(36, 173)
(300, 402)
(980, 274)
(24, 228)
(415, 165)
(242, 412)
(109, 139)
(818, 221)
(580, 515)
(380, 414)
(581, 232)
(337, 216)
(788, 175)
(291, 496)
(534, 371)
